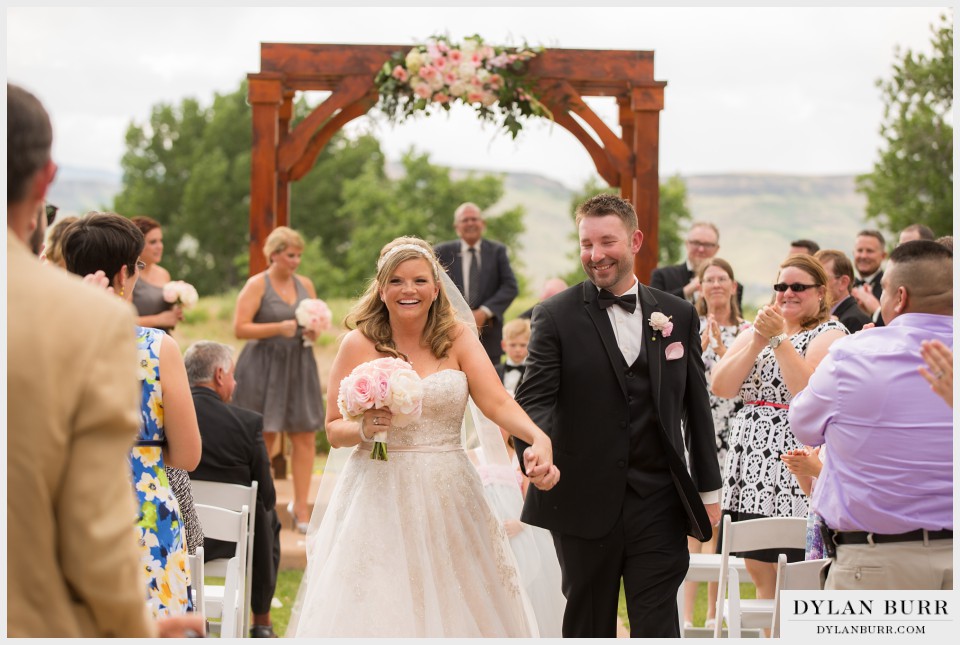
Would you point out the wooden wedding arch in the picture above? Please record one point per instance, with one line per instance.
(562, 78)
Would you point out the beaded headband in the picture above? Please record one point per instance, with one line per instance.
(427, 255)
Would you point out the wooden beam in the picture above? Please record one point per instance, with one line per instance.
(265, 95)
(330, 128)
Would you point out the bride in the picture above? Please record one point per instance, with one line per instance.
(409, 547)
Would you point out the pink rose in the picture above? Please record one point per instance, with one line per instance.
(667, 330)
(423, 90)
(455, 56)
(400, 74)
(356, 395)
(440, 97)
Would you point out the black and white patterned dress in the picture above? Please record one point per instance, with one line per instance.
(756, 481)
(724, 410)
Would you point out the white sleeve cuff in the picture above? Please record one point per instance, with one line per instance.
(710, 497)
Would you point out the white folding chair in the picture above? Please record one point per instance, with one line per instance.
(750, 535)
(794, 575)
(233, 497)
(195, 562)
(226, 602)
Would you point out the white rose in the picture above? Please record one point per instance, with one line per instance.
(406, 394)
(469, 46)
(414, 61)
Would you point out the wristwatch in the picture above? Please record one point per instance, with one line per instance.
(776, 340)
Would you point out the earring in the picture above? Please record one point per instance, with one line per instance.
(121, 292)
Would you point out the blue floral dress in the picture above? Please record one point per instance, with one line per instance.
(163, 551)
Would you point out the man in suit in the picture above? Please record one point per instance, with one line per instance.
(516, 337)
(234, 453)
(481, 270)
(869, 251)
(839, 280)
(73, 565)
(612, 369)
(703, 242)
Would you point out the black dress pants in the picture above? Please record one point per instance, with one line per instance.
(647, 548)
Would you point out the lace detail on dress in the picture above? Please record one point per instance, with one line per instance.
(409, 547)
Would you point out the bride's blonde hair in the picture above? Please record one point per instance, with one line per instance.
(370, 314)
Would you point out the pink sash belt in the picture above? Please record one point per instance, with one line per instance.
(770, 404)
(394, 448)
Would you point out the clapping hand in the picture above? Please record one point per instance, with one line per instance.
(98, 279)
(803, 461)
(538, 463)
(939, 359)
(865, 298)
(691, 287)
(711, 336)
(769, 321)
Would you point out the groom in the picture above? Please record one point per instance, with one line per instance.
(613, 368)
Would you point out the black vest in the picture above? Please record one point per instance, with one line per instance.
(648, 471)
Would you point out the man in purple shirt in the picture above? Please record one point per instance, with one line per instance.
(886, 489)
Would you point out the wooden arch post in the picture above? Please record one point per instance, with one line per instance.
(563, 77)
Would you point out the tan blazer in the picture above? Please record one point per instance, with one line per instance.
(73, 566)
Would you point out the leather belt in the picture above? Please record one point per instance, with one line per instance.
(863, 537)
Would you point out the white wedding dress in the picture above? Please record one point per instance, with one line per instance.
(409, 547)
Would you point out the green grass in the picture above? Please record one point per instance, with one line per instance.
(747, 590)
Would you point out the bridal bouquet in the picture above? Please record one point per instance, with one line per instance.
(388, 383)
(181, 293)
(313, 314)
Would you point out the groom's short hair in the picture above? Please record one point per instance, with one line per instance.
(605, 204)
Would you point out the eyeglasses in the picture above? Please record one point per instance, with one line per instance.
(723, 280)
(51, 213)
(702, 245)
(796, 287)
(141, 265)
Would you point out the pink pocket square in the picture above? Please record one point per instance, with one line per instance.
(674, 351)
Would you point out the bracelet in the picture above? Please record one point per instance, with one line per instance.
(364, 438)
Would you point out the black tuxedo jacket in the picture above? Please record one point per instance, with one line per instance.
(877, 290)
(672, 279)
(498, 286)
(574, 389)
(850, 315)
(233, 448)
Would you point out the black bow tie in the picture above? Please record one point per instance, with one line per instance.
(607, 299)
(507, 367)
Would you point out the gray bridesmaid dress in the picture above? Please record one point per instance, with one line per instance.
(278, 376)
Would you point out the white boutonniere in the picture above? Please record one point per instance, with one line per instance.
(661, 322)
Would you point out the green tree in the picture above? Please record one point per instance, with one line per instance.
(188, 167)
(421, 202)
(912, 181)
(674, 213)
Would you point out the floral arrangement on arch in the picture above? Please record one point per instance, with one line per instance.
(490, 79)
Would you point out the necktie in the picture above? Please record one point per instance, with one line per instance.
(474, 289)
(607, 299)
(507, 368)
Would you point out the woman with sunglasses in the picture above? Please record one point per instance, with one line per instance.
(153, 310)
(766, 369)
(168, 434)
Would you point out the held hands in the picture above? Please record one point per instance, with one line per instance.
(538, 462)
(769, 322)
(803, 461)
(170, 317)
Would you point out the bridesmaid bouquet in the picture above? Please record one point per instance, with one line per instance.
(180, 293)
(313, 314)
(383, 383)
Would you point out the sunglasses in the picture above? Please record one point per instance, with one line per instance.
(51, 213)
(796, 287)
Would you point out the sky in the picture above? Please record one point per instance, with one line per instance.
(773, 90)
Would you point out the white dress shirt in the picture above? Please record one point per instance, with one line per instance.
(628, 327)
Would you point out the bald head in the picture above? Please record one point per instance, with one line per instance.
(919, 280)
(552, 287)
